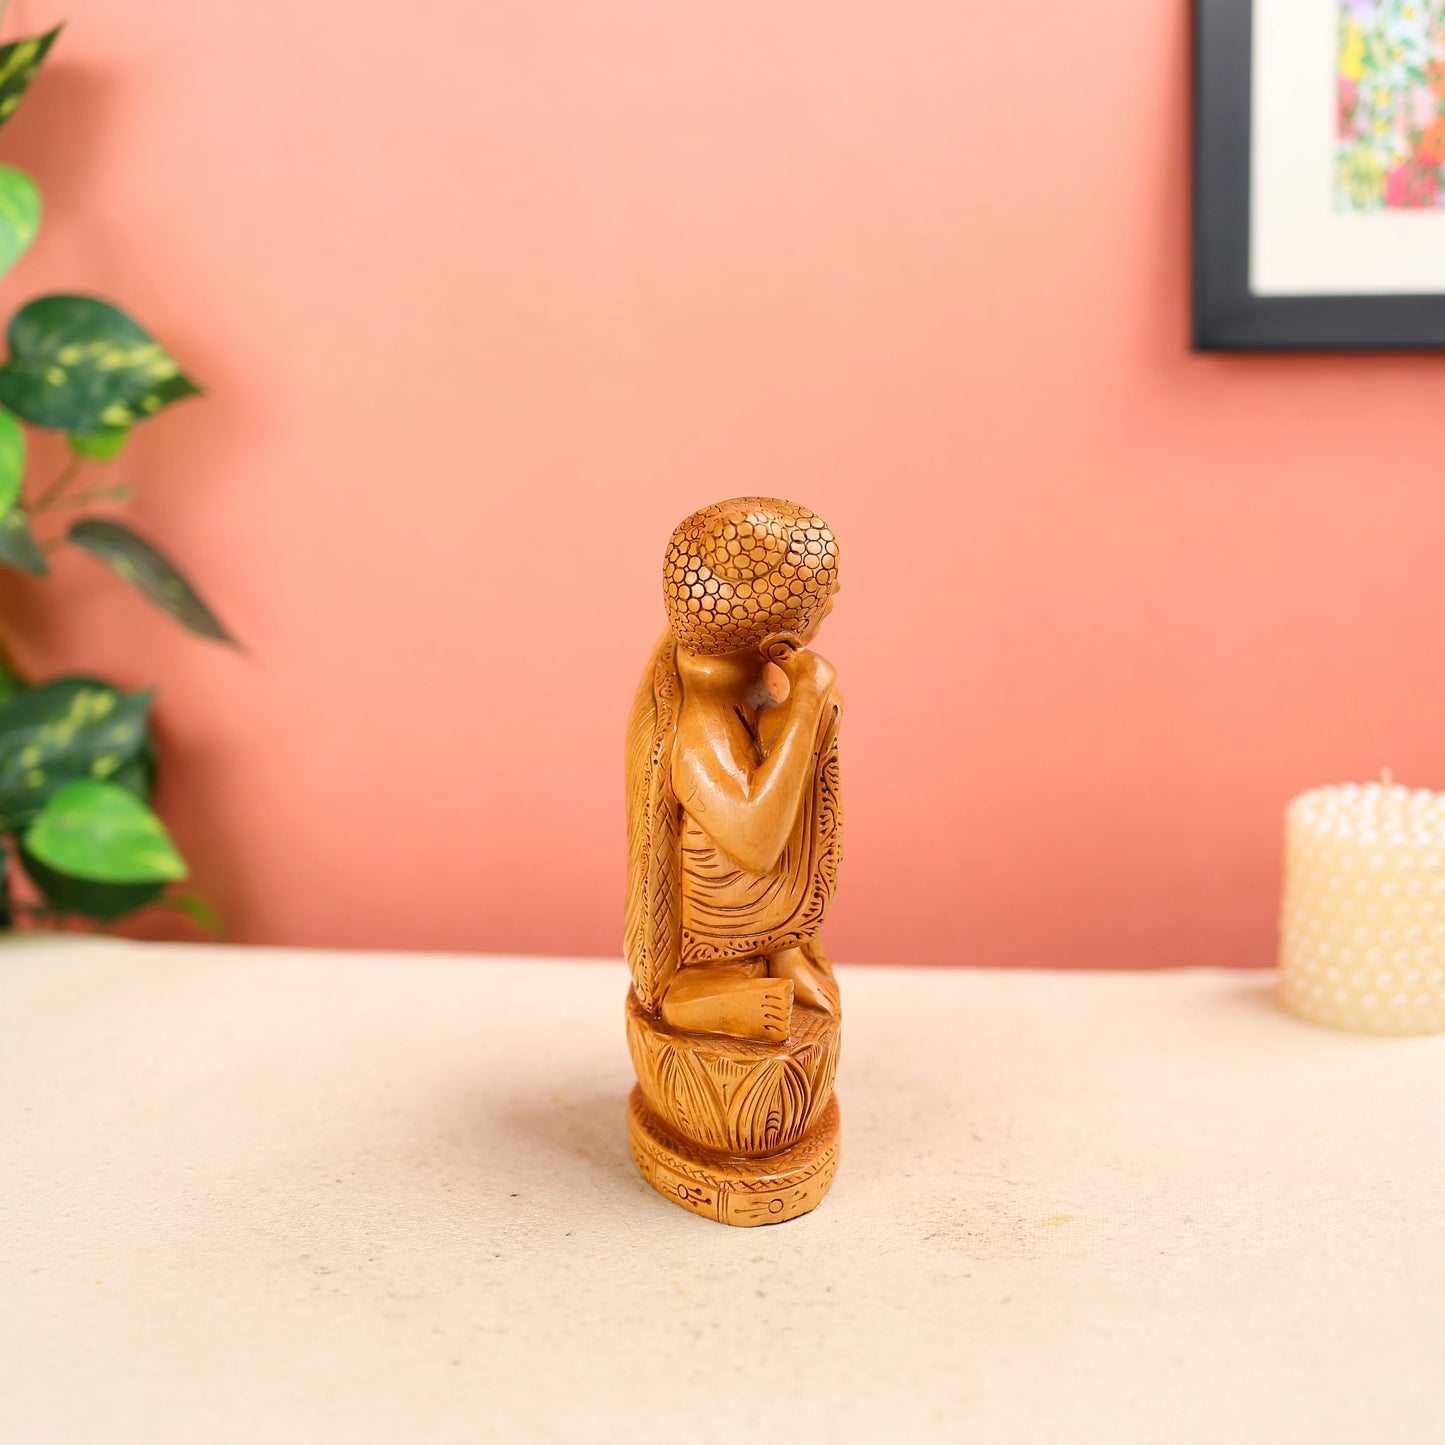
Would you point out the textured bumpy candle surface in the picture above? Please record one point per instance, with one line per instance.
(1363, 926)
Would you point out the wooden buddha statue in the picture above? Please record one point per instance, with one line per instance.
(734, 832)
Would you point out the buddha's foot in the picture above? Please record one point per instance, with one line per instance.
(735, 1000)
(811, 986)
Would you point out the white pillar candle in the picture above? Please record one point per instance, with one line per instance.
(1362, 935)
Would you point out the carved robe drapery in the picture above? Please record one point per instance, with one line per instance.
(689, 902)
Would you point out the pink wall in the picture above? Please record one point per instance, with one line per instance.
(488, 296)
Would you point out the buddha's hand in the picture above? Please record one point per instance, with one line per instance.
(808, 674)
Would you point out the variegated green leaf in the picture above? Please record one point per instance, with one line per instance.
(150, 572)
(19, 215)
(12, 460)
(103, 833)
(75, 727)
(18, 63)
(139, 774)
(100, 446)
(18, 547)
(12, 681)
(79, 365)
(104, 902)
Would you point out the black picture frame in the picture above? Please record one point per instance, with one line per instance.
(1228, 316)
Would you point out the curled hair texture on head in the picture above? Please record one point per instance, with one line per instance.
(739, 570)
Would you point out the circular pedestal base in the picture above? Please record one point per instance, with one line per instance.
(731, 1189)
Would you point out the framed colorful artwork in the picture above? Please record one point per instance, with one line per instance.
(1319, 175)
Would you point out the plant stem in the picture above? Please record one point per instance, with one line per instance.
(96, 494)
(67, 475)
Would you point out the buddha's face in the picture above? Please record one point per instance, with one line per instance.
(737, 571)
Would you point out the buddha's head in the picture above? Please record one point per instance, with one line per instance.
(737, 571)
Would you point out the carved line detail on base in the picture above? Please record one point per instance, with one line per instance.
(735, 1191)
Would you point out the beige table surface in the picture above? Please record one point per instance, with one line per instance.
(270, 1196)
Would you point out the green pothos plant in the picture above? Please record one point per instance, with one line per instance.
(77, 757)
